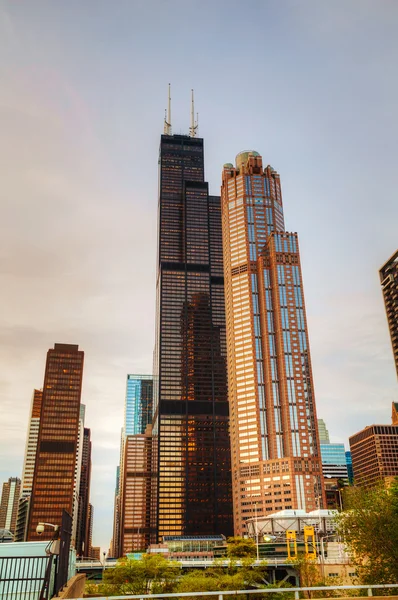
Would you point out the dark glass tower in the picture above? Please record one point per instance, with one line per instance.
(192, 494)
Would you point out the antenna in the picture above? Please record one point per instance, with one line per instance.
(167, 116)
(194, 126)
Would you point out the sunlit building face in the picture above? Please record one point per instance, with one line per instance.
(275, 449)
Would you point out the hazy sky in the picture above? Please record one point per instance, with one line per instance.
(310, 85)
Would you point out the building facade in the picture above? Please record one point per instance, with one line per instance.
(138, 405)
(374, 452)
(191, 456)
(389, 284)
(276, 462)
(334, 462)
(29, 465)
(9, 504)
(135, 493)
(323, 432)
(55, 476)
(350, 470)
(82, 532)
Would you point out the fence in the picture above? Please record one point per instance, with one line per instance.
(22, 577)
(294, 590)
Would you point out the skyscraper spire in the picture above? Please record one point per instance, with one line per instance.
(194, 126)
(167, 117)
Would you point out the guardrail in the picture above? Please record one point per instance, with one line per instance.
(369, 589)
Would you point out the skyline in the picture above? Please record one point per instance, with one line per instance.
(81, 123)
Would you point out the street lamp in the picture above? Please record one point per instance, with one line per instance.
(255, 516)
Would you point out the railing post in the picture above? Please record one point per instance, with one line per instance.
(370, 593)
(220, 596)
(296, 595)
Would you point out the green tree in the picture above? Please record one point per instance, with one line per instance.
(152, 574)
(238, 547)
(369, 527)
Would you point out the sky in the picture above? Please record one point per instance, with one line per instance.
(310, 85)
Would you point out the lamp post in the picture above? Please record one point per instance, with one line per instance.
(255, 513)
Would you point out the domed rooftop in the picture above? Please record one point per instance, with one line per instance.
(242, 157)
(228, 166)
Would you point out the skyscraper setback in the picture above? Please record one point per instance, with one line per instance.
(275, 446)
(191, 452)
(55, 466)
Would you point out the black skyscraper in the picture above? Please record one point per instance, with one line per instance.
(192, 494)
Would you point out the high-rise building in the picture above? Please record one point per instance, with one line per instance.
(191, 455)
(55, 467)
(138, 405)
(114, 546)
(9, 504)
(276, 462)
(135, 493)
(90, 530)
(389, 283)
(82, 532)
(374, 452)
(350, 470)
(29, 466)
(334, 463)
(323, 432)
(31, 443)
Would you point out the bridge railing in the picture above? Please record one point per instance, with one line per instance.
(279, 590)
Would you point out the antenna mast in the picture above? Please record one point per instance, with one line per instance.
(194, 125)
(167, 119)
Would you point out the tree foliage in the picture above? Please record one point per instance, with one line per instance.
(369, 527)
(152, 574)
(239, 547)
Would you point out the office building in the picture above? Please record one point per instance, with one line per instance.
(191, 456)
(350, 470)
(89, 550)
(9, 504)
(55, 468)
(28, 466)
(135, 493)
(334, 463)
(138, 405)
(374, 452)
(82, 532)
(276, 461)
(389, 283)
(323, 432)
(114, 545)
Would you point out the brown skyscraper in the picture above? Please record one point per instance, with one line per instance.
(389, 284)
(135, 493)
(53, 481)
(276, 460)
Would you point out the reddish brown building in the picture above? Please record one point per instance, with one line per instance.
(54, 475)
(135, 493)
(276, 462)
(374, 452)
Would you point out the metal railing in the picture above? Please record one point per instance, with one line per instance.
(22, 577)
(279, 590)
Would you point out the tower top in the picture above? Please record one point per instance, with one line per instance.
(167, 116)
(194, 125)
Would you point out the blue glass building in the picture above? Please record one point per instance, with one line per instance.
(350, 470)
(334, 462)
(138, 405)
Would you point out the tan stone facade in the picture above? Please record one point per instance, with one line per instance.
(274, 438)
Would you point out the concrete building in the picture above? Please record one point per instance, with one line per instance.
(29, 466)
(389, 284)
(9, 504)
(276, 461)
